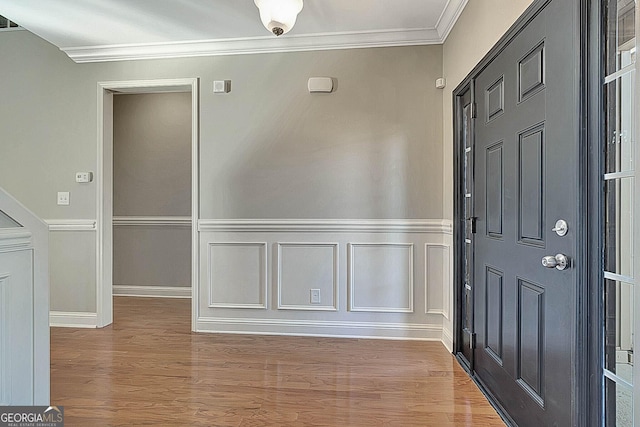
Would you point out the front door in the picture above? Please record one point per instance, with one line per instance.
(526, 158)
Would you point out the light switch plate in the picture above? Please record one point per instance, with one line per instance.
(63, 198)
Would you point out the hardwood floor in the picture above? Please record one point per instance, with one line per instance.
(149, 369)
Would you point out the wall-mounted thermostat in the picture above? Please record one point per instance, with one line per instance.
(320, 85)
(222, 86)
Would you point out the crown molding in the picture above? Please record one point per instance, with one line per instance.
(255, 45)
(449, 17)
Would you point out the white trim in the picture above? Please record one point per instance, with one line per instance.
(447, 339)
(151, 291)
(619, 278)
(628, 69)
(71, 224)
(104, 201)
(18, 28)
(328, 225)
(64, 319)
(15, 239)
(308, 307)
(616, 175)
(152, 221)
(449, 17)
(321, 328)
(350, 279)
(267, 44)
(263, 279)
(617, 379)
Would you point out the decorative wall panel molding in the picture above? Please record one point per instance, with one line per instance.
(438, 283)
(381, 277)
(152, 291)
(71, 224)
(73, 319)
(237, 275)
(15, 239)
(152, 221)
(327, 225)
(370, 273)
(16, 327)
(325, 328)
(305, 266)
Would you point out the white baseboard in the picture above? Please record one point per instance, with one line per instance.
(447, 339)
(152, 291)
(334, 329)
(65, 319)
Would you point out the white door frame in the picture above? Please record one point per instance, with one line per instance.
(104, 181)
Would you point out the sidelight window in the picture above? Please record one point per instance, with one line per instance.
(621, 276)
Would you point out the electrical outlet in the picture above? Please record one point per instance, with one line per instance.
(63, 198)
(315, 296)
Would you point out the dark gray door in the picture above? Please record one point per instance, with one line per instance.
(526, 178)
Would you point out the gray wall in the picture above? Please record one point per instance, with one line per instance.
(269, 149)
(152, 177)
(152, 154)
(478, 28)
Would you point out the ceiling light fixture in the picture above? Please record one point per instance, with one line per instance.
(279, 16)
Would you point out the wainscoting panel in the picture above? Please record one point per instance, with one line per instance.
(72, 266)
(371, 275)
(237, 275)
(153, 252)
(437, 292)
(303, 267)
(5, 368)
(16, 320)
(381, 277)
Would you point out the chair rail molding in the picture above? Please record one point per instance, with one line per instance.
(329, 225)
(71, 224)
(152, 221)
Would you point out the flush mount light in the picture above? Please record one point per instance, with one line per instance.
(279, 16)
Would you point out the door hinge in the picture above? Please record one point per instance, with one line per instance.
(472, 341)
(474, 110)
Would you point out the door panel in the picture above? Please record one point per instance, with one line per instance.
(526, 140)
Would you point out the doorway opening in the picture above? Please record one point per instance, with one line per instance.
(175, 226)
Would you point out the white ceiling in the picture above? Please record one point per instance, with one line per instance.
(109, 30)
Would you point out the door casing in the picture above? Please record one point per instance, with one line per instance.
(104, 181)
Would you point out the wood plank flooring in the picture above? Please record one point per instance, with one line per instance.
(149, 369)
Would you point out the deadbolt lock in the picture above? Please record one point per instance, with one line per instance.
(561, 228)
